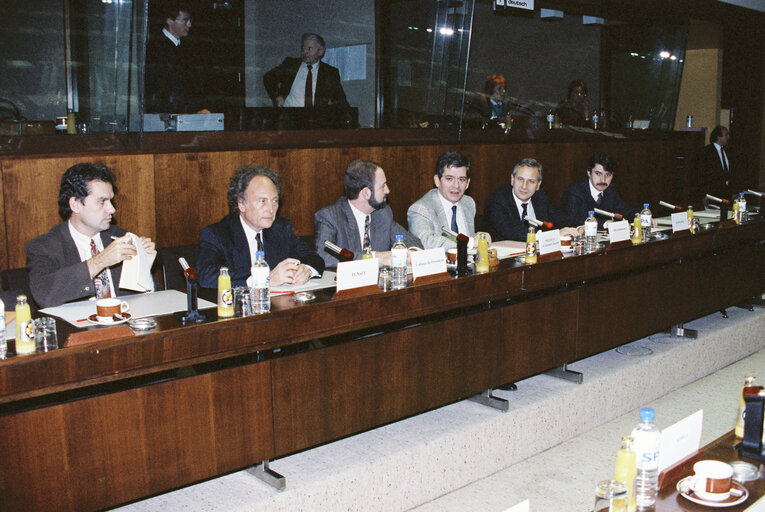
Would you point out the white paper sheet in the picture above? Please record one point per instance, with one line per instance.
(327, 280)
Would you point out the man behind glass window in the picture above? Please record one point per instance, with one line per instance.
(446, 205)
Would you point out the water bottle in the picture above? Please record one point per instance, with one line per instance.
(3, 342)
(550, 119)
(645, 222)
(398, 261)
(595, 120)
(261, 285)
(743, 216)
(591, 232)
(646, 436)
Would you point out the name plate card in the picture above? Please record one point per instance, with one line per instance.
(355, 274)
(428, 262)
(680, 221)
(619, 231)
(680, 440)
(549, 241)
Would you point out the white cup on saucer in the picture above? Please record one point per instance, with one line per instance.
(712, 480)
(107, 308)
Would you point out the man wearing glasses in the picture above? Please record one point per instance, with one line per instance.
(446, 205)
(595, 191)
(168, 86)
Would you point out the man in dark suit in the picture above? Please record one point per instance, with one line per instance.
(716, 169)
(80, 257)
(595, 191)
(509, 204)
(362, 218)
(306, 82)
(252, 225)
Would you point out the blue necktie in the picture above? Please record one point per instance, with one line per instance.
(454, 219)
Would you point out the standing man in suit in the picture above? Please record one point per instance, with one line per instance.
(507, 206)
(306, 82)
(596, 191)
(446, 205)
(252, 225)
(80, 257)
(716, 169)
(362, 218)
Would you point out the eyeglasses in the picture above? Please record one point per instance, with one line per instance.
(185, 21)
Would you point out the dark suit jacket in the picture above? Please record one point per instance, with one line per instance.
(329, 92)
(224, 244)
(504, 221)
(168, 85)
(577, 201)
(337, 224)
(713, 179)
(56, 274)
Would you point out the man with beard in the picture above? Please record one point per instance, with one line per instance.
(595, 191)
(362, 218)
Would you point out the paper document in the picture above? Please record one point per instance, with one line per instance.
(508, 248)
(136, 271)
(146, 304)
(327, 280)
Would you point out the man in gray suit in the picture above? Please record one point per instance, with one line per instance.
(446, 205)
(362, 218)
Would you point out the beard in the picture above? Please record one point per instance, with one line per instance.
(378, 205)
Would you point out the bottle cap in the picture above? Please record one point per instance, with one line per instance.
(646, 414)
(591, 212)
(645, 205)
(399, 237)
(259, 254)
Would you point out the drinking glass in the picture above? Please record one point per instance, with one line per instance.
(45, 334)
(610, 496)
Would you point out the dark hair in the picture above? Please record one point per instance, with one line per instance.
(315, 37)
(241, 179)
(493, 81)
(528, 162)
(716, 133)
(574, 84)
(359, 174)
(604, 159)
(75, 182)
(452, 159)
(172, 10)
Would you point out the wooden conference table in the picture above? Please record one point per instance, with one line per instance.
(94, 426)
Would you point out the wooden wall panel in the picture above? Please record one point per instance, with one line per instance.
(30, 189)
(127, 445)
(3, 238)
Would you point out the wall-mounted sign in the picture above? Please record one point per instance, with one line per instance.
(517, 4)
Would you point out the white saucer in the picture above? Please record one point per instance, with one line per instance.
(731, 501)
(94, 319)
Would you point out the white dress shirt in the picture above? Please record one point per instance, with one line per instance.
(529, 208)
(83, 249)
(296, 97)
(461, 222)
(361, 218)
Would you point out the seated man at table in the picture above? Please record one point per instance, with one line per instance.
(446, 205)
(362, 218)
(507, 206)
(252, 225)
(80, 257)
(595, 191)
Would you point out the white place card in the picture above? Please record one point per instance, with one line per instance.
(679, 221)
(619, 231)
(428, 262)
(520, 507)
(136, 270)
(549, 241)
(680, 440)
(355, 274)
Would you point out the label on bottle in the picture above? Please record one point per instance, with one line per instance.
(25, 343)
(645, 220)
(261, 277)
(590, 228)
(398, 257)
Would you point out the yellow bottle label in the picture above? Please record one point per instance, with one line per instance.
(225, 297)
(25, 330)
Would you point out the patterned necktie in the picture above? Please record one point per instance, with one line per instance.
(101, 280)
(259, 242)
(600, 199)
(454, 219)
(367, 239)
(525, 211)
(309, 88)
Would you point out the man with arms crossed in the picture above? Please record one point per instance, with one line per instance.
(446, 205)
(80, 257)
(362, 218)
(252, 225)
(507, 206)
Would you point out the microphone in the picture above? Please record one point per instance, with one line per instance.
(754, 193)
(457, 236)
(538, 223)
(188, 271)
(670, 206)
(609, 214)
(344, 253)
(713, 198)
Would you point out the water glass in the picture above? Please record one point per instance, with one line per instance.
(242, 301)
(610, 496)
(384, 278)
(45, 334)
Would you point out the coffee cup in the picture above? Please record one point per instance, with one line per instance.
(451, 256)
(565, 241)
(711, 480)
(107, 308)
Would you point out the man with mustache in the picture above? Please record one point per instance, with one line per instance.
(595, 191)
(252, 225)
(80, 257)
(361, 218)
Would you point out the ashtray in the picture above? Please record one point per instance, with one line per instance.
(142, 324)
(743, 471)
(303, 297)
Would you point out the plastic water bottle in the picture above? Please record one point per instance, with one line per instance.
(742, 214)
(550, 119)
(398, 261)
(645, 222)
(591, 232)
(646, 436)
(261, 285)
(3, 342)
